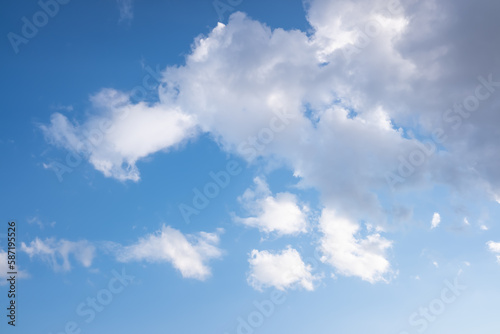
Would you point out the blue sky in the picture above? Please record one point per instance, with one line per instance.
(324, 166)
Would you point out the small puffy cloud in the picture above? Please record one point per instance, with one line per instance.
(121, 134)
(494, 247)
(483, 227)
(189, 254)
(57, 253)
(436, 219)
(283, 270)
(281, 214)
(350, 255)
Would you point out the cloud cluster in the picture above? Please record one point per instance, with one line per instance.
(357, 98)
(405, 76)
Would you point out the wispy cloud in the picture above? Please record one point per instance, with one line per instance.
(57, 253)
(189, 254)
(37, 221)
(126, 10)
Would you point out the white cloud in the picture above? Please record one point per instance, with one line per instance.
(4, 268)
(379, 84)
(281, 214)
(355, 26)
(121, 134)
(57, 253)
(350, 255)
(436, 219)
(126, 10)
(282, 270)
(189, 254)
(494, 247)
(243, 74)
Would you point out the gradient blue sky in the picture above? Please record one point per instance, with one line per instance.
(314, 215)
